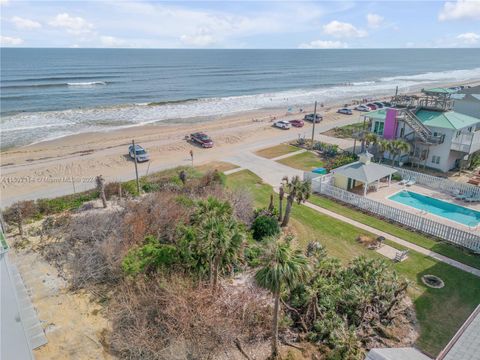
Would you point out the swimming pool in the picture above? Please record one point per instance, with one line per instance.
(437, 207)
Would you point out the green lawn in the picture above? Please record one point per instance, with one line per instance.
(278, 150)
(442, 248)
(305, 161)
(440, 312)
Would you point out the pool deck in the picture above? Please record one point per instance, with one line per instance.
(385, 191)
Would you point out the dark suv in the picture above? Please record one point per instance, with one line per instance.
(310, 117)
(201, 139)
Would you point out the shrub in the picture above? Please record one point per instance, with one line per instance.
(25, 209)
(264, 226)
(63, 203)
(149, 257)
(130, 188)
(340, 160)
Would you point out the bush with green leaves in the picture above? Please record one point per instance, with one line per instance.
(264, 226)
(342, 307)
(340, 160)
(149, 257)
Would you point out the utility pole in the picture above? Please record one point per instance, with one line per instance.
(314, 121)
(136, 167)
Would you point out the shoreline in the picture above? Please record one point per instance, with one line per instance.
(115, 125)
(87, 155)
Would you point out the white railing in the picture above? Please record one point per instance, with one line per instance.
(440, 184)
(450, 234)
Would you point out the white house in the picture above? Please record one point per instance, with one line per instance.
(467, 101)
(440, 138)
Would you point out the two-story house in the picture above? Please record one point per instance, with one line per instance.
(440, 138)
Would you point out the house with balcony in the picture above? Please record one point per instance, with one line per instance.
(440, 137)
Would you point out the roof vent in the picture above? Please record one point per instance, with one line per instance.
(365, 158)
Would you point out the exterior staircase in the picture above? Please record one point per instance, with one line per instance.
(421, 131)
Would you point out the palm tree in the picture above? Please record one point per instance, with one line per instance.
(382, 146)
(298, 190)
(282, 267)
(396, 148)
(281, 194)
(100, 182)
(370, 138)
(220, 237)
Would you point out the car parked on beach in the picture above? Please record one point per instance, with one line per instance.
(345, 111)
(201, 139)
(141, 153)
(297, 123)
(282, 124)
(362, 108)
(379, 104)
(310, 117)
(372, 106)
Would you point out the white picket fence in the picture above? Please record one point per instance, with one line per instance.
(440, 184)
(323, 185)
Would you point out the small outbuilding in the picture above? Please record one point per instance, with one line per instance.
(363, 172)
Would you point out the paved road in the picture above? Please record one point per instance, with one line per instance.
(270, 171)
(201, 157)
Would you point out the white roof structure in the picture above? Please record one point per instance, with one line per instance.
(407, 353)
(364, 170)
(465, 345)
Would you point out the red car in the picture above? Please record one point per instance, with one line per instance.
(297, 123)
(372, 106)
(202, 139)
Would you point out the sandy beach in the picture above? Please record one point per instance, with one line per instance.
(68, 164)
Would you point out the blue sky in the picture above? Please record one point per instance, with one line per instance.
(240, 24)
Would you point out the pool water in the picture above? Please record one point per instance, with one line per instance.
(437, 207)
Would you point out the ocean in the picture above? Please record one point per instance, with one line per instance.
(50, 93)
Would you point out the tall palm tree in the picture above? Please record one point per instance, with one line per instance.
(281, 195)
(298, 190)
(397, 148)
(382, 146)
(282, 267)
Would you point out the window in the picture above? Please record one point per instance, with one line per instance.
(470, 129)
(458, 133)
(378, 128)
(435, 159)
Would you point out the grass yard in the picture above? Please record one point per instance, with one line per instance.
(278, 150)
(442, 248)
(440, 312)
(216, 165)
(305, 161)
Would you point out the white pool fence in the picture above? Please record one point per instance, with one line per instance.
(324, 185)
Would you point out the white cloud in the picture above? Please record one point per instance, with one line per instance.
(7, 40)
(198, 40)
(343, 30)
(73, 24)
(469, 38)
(374, 20)
(461, 9)
(111, 41)
(4, 2)
(323, 44)
(27, 24)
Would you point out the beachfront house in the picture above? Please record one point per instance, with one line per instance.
(441, 137)
(467, 101)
